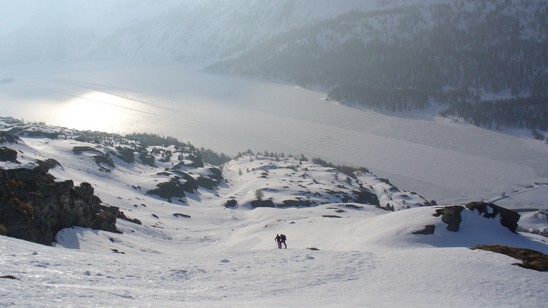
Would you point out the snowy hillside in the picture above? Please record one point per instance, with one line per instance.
(190, 247)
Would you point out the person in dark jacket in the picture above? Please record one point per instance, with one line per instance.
(278, 240)
(283, 238)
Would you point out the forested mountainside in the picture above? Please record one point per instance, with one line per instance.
(459, 52)
(393, 55)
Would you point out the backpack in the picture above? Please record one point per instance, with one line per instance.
(282, 236)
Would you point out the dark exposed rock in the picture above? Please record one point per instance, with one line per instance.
(197, 161)
(170, 189)
(366, 197)
(126, 154)
(176, 187)
(206, 183)
(190, 184)
(297, 203)
(353, 206)
(231, 203)
(34, 207)
(7, 137)
(47, 164)
(531, 259)
(8, 277)
(146, 158)
(216, 174)
(114, 210)
(331, 216)
(451, 216)
(428, 229)
(7, 154)
(508, 218)
(179, 215)
(104, 159)
(262, 203)
(39, 133)
(80, 149)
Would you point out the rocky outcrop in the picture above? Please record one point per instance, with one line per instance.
(296, 203)
(451, 216)
(428, 229)
(126, 154)
(508, 218)
(262, 203)
(231, 203)
(34, 207)
(170, 189)
(366, 197)
(9, 138)
(176, 187)
(531, 259)
(7, 154)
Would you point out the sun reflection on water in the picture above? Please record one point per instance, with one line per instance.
(97, 111)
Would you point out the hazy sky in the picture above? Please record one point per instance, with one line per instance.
(174, 29)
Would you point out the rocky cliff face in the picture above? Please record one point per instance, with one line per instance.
(34, 207)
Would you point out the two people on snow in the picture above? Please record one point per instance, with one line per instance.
(280, 239)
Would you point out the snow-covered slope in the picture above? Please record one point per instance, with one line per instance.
(196, 251)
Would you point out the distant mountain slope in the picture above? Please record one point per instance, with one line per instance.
(392, 55)
(410, 56)
(189, 31)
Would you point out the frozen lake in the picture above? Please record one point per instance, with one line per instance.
(437, 158)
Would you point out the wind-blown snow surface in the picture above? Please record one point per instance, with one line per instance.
(440, 159)
(219, 257)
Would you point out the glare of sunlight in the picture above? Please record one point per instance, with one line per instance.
(95, 111)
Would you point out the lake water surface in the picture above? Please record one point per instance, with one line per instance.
(438, 158)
